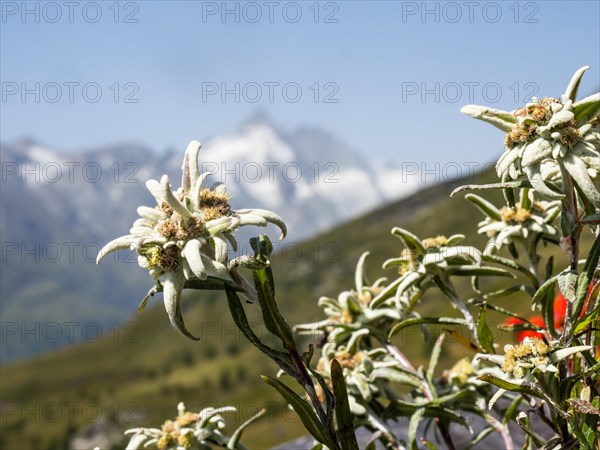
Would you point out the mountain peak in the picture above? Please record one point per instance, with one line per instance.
(258, 117)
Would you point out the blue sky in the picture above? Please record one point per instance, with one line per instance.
(374, 58)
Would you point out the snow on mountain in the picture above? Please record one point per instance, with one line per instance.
(57, 209)
(309, 177)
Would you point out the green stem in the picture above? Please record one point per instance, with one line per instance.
(569, 242)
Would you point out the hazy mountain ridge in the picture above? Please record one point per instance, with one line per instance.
(146, 372)
(57, 209)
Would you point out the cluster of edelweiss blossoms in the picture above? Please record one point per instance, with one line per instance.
(186, 237)
(548, 139)
(552, 149)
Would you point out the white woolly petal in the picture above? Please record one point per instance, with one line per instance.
(139, 231)
(269, 216)
(252, 219)
(219, 188)
(558, 119)
(197, 187)
(191, 252)
(120, 243)
(143, 262)
(171, 200)
(172, 288)
(144, 240)
(136, 442)
(222, 225)
(150, 213)
(231, 240)
(221, 249)
(494, 227)
(143, 222)
(154, 188)
(192, 151)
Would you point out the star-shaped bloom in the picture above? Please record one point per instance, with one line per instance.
(186, 237)
(550, 136)
(528, 220)
(189, 430)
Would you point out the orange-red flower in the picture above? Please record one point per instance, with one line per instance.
(521, 335)
(560, 312)
(560, 307)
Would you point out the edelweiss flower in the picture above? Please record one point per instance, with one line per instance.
(527, 220)
(188, 430)
(187, 235)
(352, 316)
(432, 262)
(366, 373)
(434, 259)
(532, 353)
(549, 136)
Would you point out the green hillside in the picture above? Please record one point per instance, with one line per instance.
(136, 377)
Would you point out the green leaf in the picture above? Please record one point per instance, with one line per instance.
(484, 334)
(578, 170)
(549, 269)
(435, 356)
(307, 356)
(480, 437)
(567, 282)
(507, 185)
(523, 388)
(583, 322)
(523, 421)
(396, 376)
(534, 175)
(412, 242)
(329, 397)
(359, 274)
(274, 321)
(509, 291)
(144, 301)
(239, 316)
(304, 410)
(413, 426)
(478, 271)
(511, 412)
(237, 435)
(426, 320)
(508, 386)
(343, 415)
(512, 265)
(484, 206)
(592, 219)
(587, 274)
(398, 408)
(566, 352)
(544, 289)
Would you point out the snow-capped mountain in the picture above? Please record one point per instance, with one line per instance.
(309, 177)
(57, 209)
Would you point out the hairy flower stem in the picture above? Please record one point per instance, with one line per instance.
(569, 243)
(443, 426)
(309, 387)
(396, 353)
(534, 261)
(503, 430)
(376, 424)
